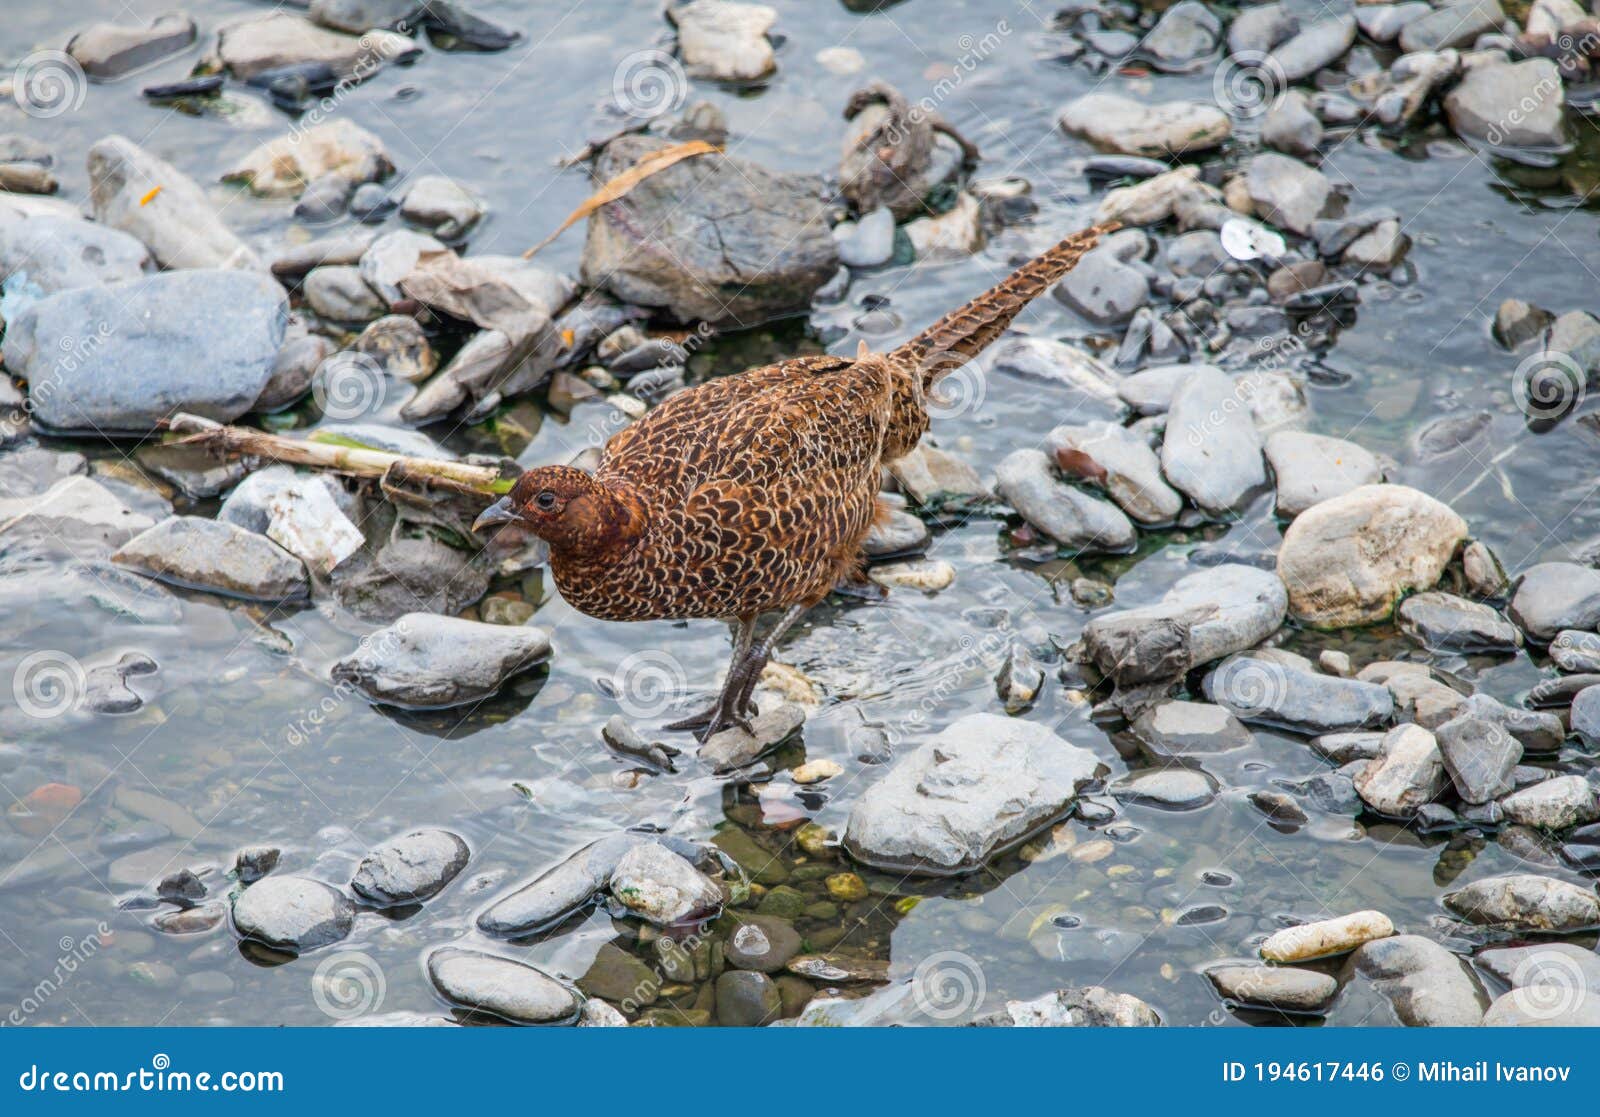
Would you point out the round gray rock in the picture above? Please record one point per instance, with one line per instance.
(293, 913)
(411, 868)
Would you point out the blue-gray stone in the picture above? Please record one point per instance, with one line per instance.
(124, 357)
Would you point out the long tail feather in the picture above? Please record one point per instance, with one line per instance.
(966, 331)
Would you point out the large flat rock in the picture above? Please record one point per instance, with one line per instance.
(980, 786)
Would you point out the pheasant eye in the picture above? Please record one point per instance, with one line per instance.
(545, 501)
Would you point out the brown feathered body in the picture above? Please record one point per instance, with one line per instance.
(753, 492)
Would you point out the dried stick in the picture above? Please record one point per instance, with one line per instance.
(338, 457)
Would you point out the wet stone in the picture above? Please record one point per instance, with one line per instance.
(734, 748)
(1211, 451)
(839, 966)
(1089, 1006)
(1291, 127)
(198, 340)
(1509, 105)
(1407, 772)
(1558, 964)
(178, 225)
(1554, 804)
(1257, 689)
(191, 921)
(1585, 715)
(442, 206)
(1536, 730)
(691, 237)
(411, 868)
(1347, 561)
(1312, 47)
(107, 51)
(1310, 468)
(761, 942)
(747, 999)
(1172, 789)
(1552, 596)
(1066, 514)
(1112, 457)
(656, 884)
(1479, 756)
(1425, 985)
(1102, 290)
(1286, 192)
(1453, 25)
(501, 987)
(867, 243)
(557, 892)
(980, 786)
(215, 555)
(1342, 748)
(1121, 124)
(1558, 692)
(1576, 651)
(1281, 987)
(1204, 616)
(426, 661)
(252, 863)
(1326, 937)
(1526, 902)
(292, 913)
(1444, 622)
(1176, 729)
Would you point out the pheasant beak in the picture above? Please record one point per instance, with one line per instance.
(498, 514)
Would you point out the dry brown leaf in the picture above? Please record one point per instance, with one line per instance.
(626, 181)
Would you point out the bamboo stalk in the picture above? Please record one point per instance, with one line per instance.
(358, 461)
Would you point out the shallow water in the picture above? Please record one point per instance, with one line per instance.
(243, 739)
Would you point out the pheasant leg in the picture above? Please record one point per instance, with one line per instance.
(744, 633)
(756, 658)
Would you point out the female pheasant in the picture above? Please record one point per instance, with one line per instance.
(752, 493)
